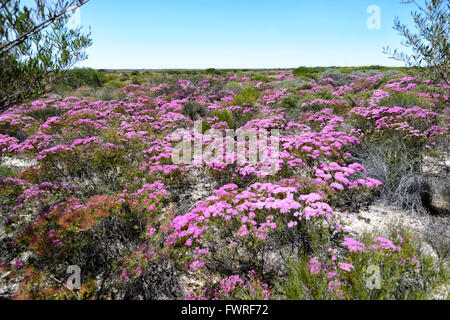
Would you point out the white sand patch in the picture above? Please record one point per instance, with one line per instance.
(17, 163)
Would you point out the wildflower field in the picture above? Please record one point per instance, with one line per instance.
(88, 183)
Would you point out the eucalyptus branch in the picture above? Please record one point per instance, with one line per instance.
(41, 50)
(430, 46)
(4, 49)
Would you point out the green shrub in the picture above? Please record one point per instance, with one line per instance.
(403, 100)
(340, 79)
(194, 110)
(306, 86)
(325, 94)
(379, 69)
(241, 119)
(222, 116)
(233, 86)
(291, 85)
(290, 102)
(115, 84)
(261, 77)
(44, 114)
(84, 77)
(308, 73)
(6, 172)
(246, 97)
(214, 71)
(107, 94)
(136, 80)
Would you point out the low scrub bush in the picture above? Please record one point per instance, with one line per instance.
(44, 114)
(194, 110)
(246, 97)
(402, 100)
(6, 172)
(339, 78)
(85, 77)
(308, 73)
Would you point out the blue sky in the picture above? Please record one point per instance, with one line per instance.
(153, 34)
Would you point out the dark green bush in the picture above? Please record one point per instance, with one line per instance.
(194, 110)
(308, 73)
(173, 72)
(214, 71)
(305, 86)
(290, 102)
(261, 77)
(44, 114)
(224, 116)
(136, 80)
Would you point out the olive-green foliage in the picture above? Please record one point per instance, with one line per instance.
(261, 77)
(301, 285)
(325, 94)
(6, 172)
(293, 105)
(306, 86)
(351, 70)
(224, 116)
(291, 85)
(340, 79)
(64, 91)
(194, 110)
(308, 73)
(290, 102)
(403, 100)
(84, 77)
(214, 71)
(246, 97)
(115, 84)
(428, 41)
(107, 94)
(46, 47)
(232, 86)
(136, 80)
(44, 114)
(241, 119)
(173, 72)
